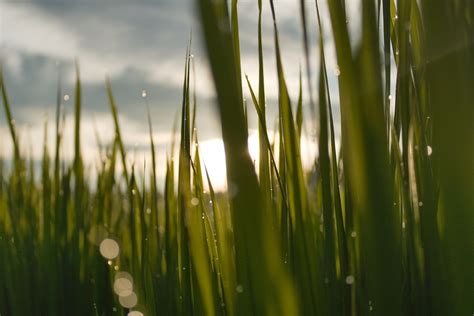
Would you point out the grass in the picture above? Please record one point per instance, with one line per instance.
(386, 229)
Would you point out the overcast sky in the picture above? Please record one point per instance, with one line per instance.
(140, 45)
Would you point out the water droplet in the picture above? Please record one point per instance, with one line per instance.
(116, 268)
(429, 150)
(128, 301)
(134, 192)
(202, 215)
(195, 201)
(148, 210)
(109, 248)
(395, 17)
(239, 288)
(66, 97)
(109, 262)
(123, 284)
(337, 71)
(389, 97)
(420, 204)
(350, 279)
(191, 56)
(353, 234)
(144, 93)
(135, 313)
(403, 225)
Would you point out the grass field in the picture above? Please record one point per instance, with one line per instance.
(384, 228)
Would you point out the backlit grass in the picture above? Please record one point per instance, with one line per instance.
(383, 228)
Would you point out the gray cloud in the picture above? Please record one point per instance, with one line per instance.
(141, 45)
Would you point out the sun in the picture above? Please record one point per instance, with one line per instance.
(213, 159)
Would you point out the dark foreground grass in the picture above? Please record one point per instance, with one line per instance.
(386, 229)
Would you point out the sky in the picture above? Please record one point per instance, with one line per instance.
(140, 45)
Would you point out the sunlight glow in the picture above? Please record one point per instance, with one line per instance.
(213, 157)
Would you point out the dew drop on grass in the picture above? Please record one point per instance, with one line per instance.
(66, 97)
(353, 234)
(420, 204)
(128, 301)
(194, 201)
(144, 93)
(135, 313)
(239, 288)
(123, 284)
(148, 210)
(350, 279)
(109, 248)
(337, 71)
(429, 150)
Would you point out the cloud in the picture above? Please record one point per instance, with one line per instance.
(140, 44)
